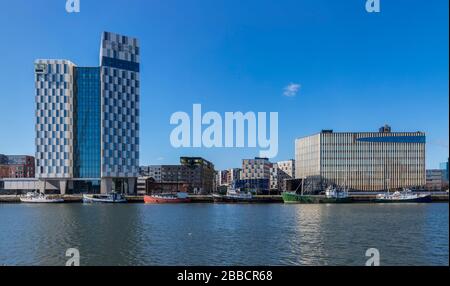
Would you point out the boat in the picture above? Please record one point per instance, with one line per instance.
(39, 198)
(336, 195)
(233, 196)
(407, 196)
(112, 198)
(169, 198)
(332, 195)
(294, 198)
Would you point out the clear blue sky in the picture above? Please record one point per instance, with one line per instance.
(357, 71)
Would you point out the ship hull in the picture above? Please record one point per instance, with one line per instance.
(425, 199)
(232, 200)
(291, 198)
(159, 200)
(94, 200)
(41, 201)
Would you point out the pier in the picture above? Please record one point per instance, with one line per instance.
(359, 198)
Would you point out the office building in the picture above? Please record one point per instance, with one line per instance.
(364, 161)
(87, 120)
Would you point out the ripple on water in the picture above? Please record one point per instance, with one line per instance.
(208, 234)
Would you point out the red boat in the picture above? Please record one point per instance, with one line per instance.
(167, 198)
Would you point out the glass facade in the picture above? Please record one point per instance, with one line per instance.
(87, 154)
(86, 187)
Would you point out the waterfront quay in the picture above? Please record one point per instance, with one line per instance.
(262, 199)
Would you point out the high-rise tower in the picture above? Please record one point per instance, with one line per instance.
(87, 120)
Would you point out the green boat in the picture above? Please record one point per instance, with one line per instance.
(332, 196)
(294, 198)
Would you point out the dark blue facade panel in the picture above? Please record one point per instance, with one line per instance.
(394, 139)
(120, 64)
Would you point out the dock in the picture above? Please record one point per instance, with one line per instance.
(268, 199)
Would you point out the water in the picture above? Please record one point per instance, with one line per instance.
(208, 234)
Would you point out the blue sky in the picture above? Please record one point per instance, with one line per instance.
(357, 70)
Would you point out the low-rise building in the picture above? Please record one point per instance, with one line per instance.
(256, 186)
(436, 181)
(279, 173)
(142, 186)
(4, 171)
(234, 174)
(222, 178)
(17, 166)
(444, 166)
(194, 175)
(287, 167)
(255, 175)
(258, 168)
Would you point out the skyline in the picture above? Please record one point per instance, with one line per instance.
(230, 60)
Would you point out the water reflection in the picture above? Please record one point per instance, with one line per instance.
(207, 234)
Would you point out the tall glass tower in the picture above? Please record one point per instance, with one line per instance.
(87, 120)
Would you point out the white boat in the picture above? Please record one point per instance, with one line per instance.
(233, 196)
(334, 193)
(39, 198)
(407, 196)
(112, 198)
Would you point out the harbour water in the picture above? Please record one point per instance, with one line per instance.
(208, 234)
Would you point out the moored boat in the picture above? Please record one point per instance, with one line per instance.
(332, 196)
(112, 198)
(294, 198)
(169, 198)
(233, 196)
(39, 198)
(336, 196)
(407, 196)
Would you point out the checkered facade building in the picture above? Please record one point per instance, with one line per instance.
(119, 58)
(54, 118)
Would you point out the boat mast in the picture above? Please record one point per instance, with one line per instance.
(303, 185)
(388, 186)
